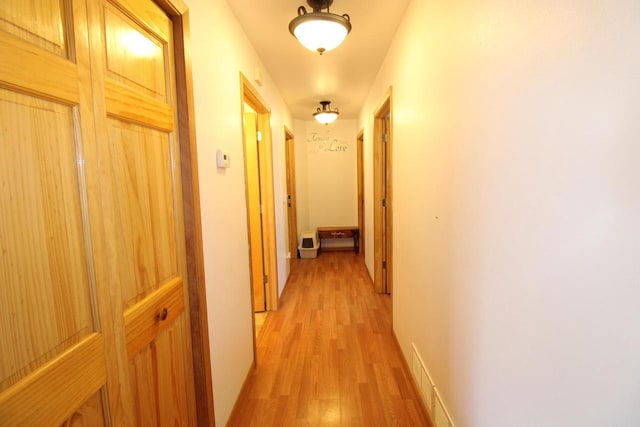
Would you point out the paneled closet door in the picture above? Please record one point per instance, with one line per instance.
(93, 304)
(52, 361)
(142, 207)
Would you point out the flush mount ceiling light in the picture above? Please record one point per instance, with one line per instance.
(320, 31)
(326, 115)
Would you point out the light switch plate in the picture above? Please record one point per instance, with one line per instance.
(222, 159)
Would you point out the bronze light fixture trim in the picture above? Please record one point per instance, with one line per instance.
(326, 115)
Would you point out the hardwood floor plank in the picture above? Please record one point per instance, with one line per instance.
(328, 356)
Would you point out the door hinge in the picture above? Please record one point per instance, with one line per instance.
(265, 279)
(384, 265)
(384, 137)
(259, 136)
(384, 203)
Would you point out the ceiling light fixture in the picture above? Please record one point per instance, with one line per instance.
(326, 115)
(320, 31)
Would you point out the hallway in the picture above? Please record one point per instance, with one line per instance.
(328, 356)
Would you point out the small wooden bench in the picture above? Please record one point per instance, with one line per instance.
(339, 233)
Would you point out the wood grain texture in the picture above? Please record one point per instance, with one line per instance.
(265, 149)
(143, 321)
(140, 99)
(192, 214)
(328, 356)
(43, 263)
(252, 98)
(89, 166)
(45, 397)
(143, 165)
(29, 68)
(292, 200)
(382, 189)
(152, 16)
(91, 414)
(254, 214)
(128, 104)
(135, 56)
(159, 382)
(38, 21)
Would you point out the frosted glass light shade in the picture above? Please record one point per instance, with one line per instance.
(326, 117)
(319, 31)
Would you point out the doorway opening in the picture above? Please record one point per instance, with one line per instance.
(260, 204)
(292, 216)
(383, 197)
(360, 178)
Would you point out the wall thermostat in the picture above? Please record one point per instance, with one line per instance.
(222, 159)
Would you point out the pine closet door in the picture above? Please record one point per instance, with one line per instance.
(93, 306)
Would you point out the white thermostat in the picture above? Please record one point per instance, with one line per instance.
(222, 159)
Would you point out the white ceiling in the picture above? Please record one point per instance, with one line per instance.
(304, 78)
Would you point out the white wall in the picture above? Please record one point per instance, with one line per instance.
(517, 205)
(220, 51)
(326, 173)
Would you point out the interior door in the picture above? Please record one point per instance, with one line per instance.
(292, 216)
(254, 211)
(142, 204)
(360, 184)
(383, 198)
(385, 204)
(92, 259)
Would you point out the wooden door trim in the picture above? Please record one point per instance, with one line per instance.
(386, 107)
(360, 181)
(252, 97)
(199, 323)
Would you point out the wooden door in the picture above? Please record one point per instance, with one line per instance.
(259, 196)
(292, 216)
(383, 198)
(52, 359)
(360, 183)
(386, 202)
(142, 206)
(254, 211)
(93, 253)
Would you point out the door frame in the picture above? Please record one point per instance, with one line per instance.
(381, 150)
(360, 184)
(199, 324)
(292, 206)
(251, 97)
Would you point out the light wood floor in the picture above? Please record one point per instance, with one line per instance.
(328, 356)
(258, 319)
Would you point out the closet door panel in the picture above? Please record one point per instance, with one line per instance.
(46, 292)
(148, 235)
(52, 359)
